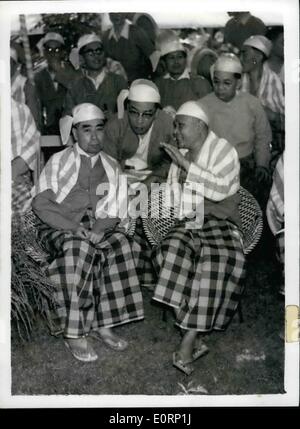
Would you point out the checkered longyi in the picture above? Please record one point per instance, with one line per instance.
(200, 273)
(95, 285)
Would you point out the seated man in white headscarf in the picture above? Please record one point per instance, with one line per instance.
(134, 137)
(97, 84)
(178, 86)
(53, 81)
(93, 262)
(260, 80)
(240, 118)
(200, 265)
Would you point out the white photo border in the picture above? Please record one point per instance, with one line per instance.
(289, 10)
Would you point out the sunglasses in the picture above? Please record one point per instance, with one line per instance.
(52, 50)
(93, 52)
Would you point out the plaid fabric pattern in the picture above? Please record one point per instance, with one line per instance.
(201, 272)
(275, 206)
(143, 257)
(95, 285)
(21, 196)
(25, 139)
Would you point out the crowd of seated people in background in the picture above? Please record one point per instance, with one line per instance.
(144, 102)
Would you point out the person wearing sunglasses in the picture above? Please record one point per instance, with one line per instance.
(96, 84)
(52, 81)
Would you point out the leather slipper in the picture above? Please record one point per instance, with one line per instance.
(185, 367)
(199, 351)
(87, 355)
(112, 341)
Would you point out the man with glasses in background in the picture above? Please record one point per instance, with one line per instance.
(134, 137)
(96, 85)
(52, 81)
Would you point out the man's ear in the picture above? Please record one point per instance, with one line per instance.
(74, 133)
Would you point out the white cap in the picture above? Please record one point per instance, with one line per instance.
(81, 112)
(86, 112)
(141, 90)
(193, 109)
(144, 90)
(261, 43)
(87, 39)
(171, 46)
(228, 63)
(47, 38)
(53, 36)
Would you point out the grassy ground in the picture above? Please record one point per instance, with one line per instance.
(246, 359)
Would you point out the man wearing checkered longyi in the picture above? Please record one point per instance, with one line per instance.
(93, 267)
(201, 267)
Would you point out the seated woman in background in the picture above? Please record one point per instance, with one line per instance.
(260, 80)
(201, 268)
(177, 86)
(240, 118)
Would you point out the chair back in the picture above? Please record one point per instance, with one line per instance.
(161, 219)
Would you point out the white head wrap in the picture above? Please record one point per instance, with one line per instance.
(171, 46)
(84, 40)
(81, 112)
(141, 90)
(193, 109)
(49, 36)
(228, 63)
(261, 43)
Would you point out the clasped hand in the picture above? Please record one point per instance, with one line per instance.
(84, 233)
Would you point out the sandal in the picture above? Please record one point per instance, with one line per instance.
(112, 341)
(84, 355)
(185, 367)
(199, 351)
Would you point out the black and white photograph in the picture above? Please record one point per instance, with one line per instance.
(149, 204)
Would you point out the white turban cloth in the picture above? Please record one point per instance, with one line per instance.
(141, 90)
(84, 40)
(228, 63)
(47, 38)
(171, 46)
(193, 109)
(81, 112)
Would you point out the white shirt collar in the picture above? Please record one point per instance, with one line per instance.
(99, 79)
(184, 75)
(124, 33)
(94, 158)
